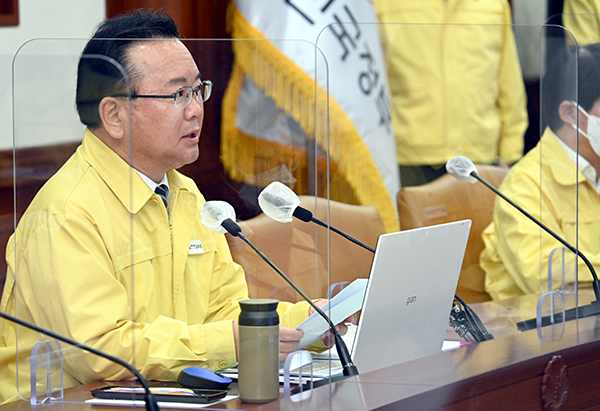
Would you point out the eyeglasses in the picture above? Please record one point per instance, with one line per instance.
(182, 97)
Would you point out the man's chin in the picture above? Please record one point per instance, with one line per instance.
(193, 156)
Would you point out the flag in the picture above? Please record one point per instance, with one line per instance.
(297, 64)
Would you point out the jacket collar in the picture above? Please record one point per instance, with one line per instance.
(561, 166)
(127, 185)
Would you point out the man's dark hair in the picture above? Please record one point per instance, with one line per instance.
(573, 75)
(97, 75)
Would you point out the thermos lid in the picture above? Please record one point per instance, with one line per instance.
(259, 312)
(259, 304)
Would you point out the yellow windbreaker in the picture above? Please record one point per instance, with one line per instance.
(455, 80)
(582, 20)
(515, 258)
(101, 262)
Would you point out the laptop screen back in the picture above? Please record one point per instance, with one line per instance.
(409, 295)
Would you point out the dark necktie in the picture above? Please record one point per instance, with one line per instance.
(163, 191)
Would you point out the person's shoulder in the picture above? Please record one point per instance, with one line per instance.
(69, 191)
(53, 202)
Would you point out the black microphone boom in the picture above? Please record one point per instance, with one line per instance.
(306, 216)
(280, 203)
(348, 366)
(578, 312)
(151, 404)
(596, 283)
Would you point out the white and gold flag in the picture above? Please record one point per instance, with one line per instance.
(297, 64)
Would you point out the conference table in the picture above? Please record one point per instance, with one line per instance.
(557, 369)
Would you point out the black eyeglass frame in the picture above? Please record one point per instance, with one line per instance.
(194, 91)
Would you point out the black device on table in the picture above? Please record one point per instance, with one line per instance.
(194, 385)
(163, 394)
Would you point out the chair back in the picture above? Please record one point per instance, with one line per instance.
(301, 250)
(446, 199)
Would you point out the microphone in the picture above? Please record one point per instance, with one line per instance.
(279, 202)
(150, 401)
(463, 169)
(219, 216)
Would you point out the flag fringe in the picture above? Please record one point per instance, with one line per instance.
(294, 92)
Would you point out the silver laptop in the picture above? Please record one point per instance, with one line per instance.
(409, 295)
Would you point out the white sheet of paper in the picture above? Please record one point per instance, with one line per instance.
(343, 305)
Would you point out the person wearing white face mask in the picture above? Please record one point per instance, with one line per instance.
(593, 129)
(557, 182)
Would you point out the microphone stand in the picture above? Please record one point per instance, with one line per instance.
(348, 366)
(150, 401)
(578, 312)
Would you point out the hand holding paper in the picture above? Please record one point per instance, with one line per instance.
(339, 308)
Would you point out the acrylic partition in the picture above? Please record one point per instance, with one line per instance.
(58, 258)
(80, 278)
(274, 151)
(319, 117)
(444, 94)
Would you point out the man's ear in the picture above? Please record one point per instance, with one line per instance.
(114, 115)
(567, 112)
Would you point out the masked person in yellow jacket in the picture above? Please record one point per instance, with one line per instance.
(455, 81)
(98, 257)
(547, 184)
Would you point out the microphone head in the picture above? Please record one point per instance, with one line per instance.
(303, 214)
(278, 201)
(214, 213)
(461, 168)
(232, 227)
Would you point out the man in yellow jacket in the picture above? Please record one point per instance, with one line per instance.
(547, 183)
(99, 257)
(455, 81)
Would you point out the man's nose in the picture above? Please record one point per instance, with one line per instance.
(195, 109)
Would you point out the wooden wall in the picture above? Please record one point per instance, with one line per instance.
(9, 13)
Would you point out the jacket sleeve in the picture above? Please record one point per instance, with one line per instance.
(512, 99)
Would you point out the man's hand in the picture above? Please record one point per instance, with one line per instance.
(342, 328)
(289, 340)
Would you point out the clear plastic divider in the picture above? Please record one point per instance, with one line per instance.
(326, 126)
(46, 372)
(54, 277)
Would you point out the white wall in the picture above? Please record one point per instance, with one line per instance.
(43, 68)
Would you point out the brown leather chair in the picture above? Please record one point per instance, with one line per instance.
(446, 199)
(300, 250)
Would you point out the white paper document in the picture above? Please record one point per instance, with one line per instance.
(343, 305)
